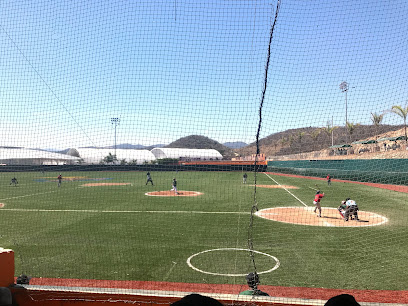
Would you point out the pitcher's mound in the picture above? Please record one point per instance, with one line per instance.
(181, 193)
(330, 217)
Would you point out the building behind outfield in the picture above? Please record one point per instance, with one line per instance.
(187, 154)
(96, 156)
(23, 156)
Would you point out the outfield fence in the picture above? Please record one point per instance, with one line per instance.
(178, 167)
(384, 171)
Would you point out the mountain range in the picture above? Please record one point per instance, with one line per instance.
(301, 140)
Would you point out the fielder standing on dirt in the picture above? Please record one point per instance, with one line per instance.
(174, 185)
(316, 202)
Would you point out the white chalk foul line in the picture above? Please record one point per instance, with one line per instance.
(126, 211)
(276, 182)
(34, 194)
(28, 195)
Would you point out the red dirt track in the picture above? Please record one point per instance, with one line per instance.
(374, 296)
(399, 188)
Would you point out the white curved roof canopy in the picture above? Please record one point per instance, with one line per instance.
(181, 153)
(23, 156)
(95, 156)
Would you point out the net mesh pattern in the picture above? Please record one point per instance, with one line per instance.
(192, 137)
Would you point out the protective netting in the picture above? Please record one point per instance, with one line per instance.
(191, 143)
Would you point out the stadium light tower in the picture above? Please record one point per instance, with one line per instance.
(344, 88)
(115, 122)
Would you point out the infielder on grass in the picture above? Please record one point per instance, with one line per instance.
(149, 178)
(244, 178)
(14, 181)
(316, 202)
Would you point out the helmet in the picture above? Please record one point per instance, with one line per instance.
(317, 192)
(252, 279)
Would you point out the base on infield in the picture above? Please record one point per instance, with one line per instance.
(330, 217)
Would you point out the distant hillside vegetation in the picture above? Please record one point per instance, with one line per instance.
(235, 145)
(310, 139)
(202, 142)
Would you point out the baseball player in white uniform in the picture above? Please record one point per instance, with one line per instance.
(351, 210)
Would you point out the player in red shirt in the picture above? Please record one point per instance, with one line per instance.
(316, 202)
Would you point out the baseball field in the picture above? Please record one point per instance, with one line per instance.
(112, 226)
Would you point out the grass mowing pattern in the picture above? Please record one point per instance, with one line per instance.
(119, 233)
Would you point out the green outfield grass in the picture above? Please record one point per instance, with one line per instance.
(119, 233)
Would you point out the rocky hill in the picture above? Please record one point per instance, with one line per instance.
(383, 149)
(235, 145)
(311, 139)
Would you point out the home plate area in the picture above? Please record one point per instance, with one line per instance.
(330, 217)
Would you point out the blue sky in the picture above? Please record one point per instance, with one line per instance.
(169, 69)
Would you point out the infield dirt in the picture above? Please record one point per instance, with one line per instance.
(181, 193)
(330, 217)
(105, 184)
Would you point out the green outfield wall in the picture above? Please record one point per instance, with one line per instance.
(384, 171)
(147, 167)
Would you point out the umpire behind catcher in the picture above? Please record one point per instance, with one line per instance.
(351, 210)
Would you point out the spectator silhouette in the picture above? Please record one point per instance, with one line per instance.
(342, 300)
(253, 282)
(196, 300)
